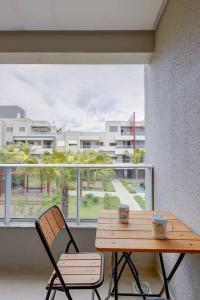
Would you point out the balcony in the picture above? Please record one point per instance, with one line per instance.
(164, 38)
(24, 197)
(49, 133)
(35, 137)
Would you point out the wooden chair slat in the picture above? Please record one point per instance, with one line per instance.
(52, 222)
(47, 231)
(79, 263)
(80, 256)
(58, 217)
(78, 279)
(77, 270)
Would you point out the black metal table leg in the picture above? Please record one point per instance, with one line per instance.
(164, 276)
(123, 266)
(116, 277)
(173, 271)
(133, 273)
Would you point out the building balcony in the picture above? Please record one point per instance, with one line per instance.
(89, 138)
(33, 132)
(35, 137)
(124, 138)
(123, 150)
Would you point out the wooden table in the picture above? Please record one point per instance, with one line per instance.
(136, 236)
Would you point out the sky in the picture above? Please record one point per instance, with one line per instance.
(76, 97)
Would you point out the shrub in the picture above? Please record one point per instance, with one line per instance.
(95, 199)
(85, 201)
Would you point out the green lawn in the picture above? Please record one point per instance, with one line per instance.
(128, 186)
(140, 201)
(108, 186)
(89, 209)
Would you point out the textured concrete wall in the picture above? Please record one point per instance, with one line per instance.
(173, 128)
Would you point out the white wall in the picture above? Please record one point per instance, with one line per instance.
(21, 247)
(173, 128)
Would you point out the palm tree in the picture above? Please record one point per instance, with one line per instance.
(17, 153)
(137, 158)
(64, 176)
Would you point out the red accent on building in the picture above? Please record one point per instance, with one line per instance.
(132, 129)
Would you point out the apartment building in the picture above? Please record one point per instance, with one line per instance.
(12, 111)
(40, 135)
(118, 138)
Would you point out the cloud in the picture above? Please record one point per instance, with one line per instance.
(79, 97)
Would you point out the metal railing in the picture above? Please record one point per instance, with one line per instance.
(8, 168)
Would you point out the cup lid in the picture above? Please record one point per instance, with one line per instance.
(159, 218)
(123, 205)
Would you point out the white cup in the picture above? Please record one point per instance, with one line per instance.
(159, 227)
(123, 213)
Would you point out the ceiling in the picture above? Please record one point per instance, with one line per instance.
(79, 14)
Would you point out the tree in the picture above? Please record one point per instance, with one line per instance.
(17, 153)
(63, 176)
(138, 156)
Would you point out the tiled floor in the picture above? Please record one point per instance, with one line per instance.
(30, 285)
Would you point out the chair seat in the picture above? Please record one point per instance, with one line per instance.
(80, 269)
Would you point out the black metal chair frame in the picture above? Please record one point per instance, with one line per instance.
(63, 287)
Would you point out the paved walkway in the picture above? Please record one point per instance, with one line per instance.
(95, 193)
(124, 196)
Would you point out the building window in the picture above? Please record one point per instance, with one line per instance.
(9, 129)
(99, 144)
(126, 131)
(125, 144)
(47, 144)
(113, 128)
(126, 159)
(86, 144)
(140, 144)
(112, 144)
(139, 131)
(9, 143)
(22, 129)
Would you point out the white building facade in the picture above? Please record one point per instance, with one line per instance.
(117, 140)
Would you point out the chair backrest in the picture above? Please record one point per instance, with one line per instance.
(50, 223)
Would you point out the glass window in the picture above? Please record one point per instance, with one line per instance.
(47, 144)
(113, 128)
(99, 143)
(140, 144)
(86, 144)
(21, 129)
(9, 129)
(139, 131)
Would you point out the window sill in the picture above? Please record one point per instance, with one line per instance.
(31, 224)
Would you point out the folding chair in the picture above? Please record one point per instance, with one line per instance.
(78, 270)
